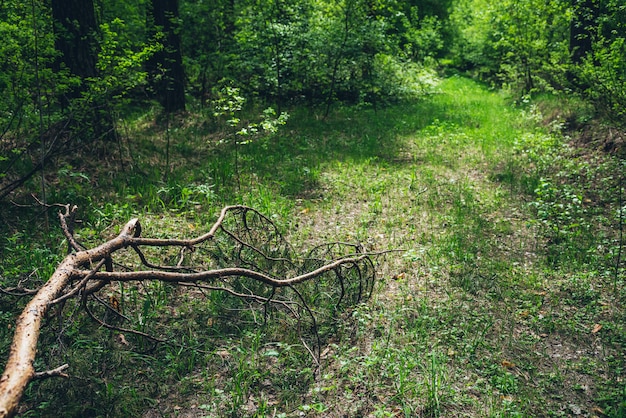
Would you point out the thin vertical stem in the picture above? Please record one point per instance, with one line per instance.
(333, 79)
(620, 209)
(42, 139)
(167, 147)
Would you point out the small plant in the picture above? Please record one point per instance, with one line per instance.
(228, 105)
(435, 381)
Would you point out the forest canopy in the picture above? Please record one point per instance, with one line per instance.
(89, 60)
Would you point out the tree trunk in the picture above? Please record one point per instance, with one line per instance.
(582, 26)
(166, 66)
(75, 28)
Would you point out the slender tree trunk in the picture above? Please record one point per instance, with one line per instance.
(166, 66)
(76, 31)
(277, 57)
(582, 26)
(338, 56)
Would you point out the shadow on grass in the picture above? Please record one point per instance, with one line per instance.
(292, 158)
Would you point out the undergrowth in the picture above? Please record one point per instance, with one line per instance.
(502, 295)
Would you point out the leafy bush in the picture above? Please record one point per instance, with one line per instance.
(519, 44)
(604, 72)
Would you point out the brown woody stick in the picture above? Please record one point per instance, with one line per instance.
(19, 370)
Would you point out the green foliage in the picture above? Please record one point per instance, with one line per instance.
(425, 41)
(120, 63)
(229, 104)
(520, 44)
(28, 51)
(564, 222)
(315, 51)
(531, 45)
(120, 73)
(604, 71)
(568, 192)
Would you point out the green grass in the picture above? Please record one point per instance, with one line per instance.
(504, 244)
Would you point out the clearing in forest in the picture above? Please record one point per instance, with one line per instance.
(472, 313)
(468, 318)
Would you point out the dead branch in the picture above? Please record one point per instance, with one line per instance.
(243, 255)
(57, 372)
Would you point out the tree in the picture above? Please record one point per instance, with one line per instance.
(242, 255)
(521, 44)
(166, 66)
(208, 44)
(584, 21)
(27, 88)
(599, 68)
(76, 40)
(317, 51)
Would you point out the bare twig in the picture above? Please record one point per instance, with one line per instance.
(57, 372)
(18, 291)
(120, 329)
(81, 285)
(256, 298)
(173, 277)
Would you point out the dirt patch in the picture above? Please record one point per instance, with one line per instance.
(600, 137)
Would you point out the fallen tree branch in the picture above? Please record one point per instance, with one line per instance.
(58, 372)
(243, 251)
(173, 277)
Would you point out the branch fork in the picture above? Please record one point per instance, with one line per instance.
(250, 250)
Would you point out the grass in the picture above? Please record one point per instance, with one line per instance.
(502, 297)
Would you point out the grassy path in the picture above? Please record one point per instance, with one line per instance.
(442, 336)
(462, 323)
(471, 315)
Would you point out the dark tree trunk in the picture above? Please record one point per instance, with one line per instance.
(166, 66)
(582, 26)
(76, 30)
(229, 20)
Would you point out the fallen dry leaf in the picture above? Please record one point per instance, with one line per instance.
(325, 352)
(598, 410)
(507, 364)
(596, 328)
(121, 339)
(223, 353)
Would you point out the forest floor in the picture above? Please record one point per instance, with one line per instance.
(499, 287)
(475, 317)
(470, 316)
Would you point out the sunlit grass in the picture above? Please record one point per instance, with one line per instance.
(481, 308)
